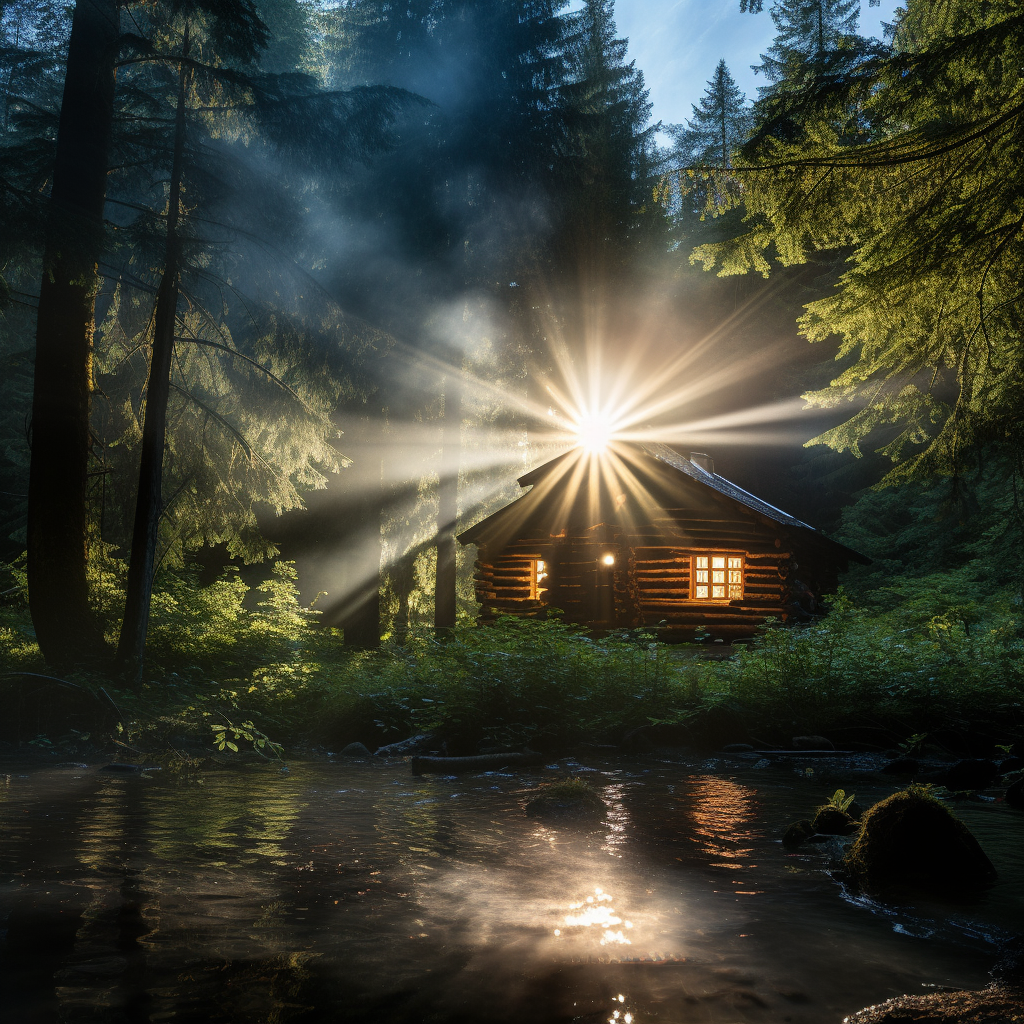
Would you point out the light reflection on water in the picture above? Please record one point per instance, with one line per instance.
(266, 897)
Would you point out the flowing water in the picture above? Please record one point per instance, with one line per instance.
(357, 892)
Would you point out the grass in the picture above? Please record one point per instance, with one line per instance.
(226, 662)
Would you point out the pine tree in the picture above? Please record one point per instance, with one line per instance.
(463, 199)
(807, 32)
(240, 386)
(720, 125)
(609, 165)
(58, 522)
(720, 122)
(929, 210)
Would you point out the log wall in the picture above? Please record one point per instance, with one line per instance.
(650, 582)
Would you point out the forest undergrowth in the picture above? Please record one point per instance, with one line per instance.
(231, 667)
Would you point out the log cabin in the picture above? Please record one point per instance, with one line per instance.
(641, 535)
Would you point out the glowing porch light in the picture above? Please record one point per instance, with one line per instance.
(608, 559)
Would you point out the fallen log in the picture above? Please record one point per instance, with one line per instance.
(474, 763)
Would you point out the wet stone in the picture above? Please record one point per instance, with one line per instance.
(831, 821)
(902, 766)
(355, 750)
(797, 833)
(913, 839)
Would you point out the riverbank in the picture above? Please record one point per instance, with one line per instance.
(231, 666)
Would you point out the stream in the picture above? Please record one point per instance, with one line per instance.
(357, 892)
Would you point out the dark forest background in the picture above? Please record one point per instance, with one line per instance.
(285, 279)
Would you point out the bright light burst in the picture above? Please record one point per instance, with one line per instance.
(634, 381)
(594, 432)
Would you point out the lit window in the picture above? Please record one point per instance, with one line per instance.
(718, 578)
(538, 572)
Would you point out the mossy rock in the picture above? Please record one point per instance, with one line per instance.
(912, 838)
(571, 800)
(831, 821)
(797, 833)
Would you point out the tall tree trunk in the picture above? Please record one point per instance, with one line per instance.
(147, 503)
(362, 614)
(59, 471)
(448, 506)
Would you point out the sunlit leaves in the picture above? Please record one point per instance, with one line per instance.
(911, 164)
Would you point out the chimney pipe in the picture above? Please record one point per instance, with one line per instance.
(705, 462)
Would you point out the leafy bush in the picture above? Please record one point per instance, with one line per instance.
(225, 653)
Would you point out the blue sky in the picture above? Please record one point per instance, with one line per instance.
(677, 43)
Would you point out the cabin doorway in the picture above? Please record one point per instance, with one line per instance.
(581, 581)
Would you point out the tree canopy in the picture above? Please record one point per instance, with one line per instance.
(906, 169)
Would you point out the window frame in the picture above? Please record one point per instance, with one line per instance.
(727, 569)
(538, 572)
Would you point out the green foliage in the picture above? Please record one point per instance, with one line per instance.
(260, 741)
(941, 550)
(243, 664)
(517, 682)
(807, 31)
(840, 800)
(909, 163)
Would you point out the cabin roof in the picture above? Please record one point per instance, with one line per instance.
(665, 456)
(719, 483)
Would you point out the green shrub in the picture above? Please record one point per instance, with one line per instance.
(226, 653)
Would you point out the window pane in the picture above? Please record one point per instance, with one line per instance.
(702, 562)
(702, 575)
(735, 563)
(717, 575)
(717, 592)
(735, 575)
(718, 562)
(702, 592)
(735, 593)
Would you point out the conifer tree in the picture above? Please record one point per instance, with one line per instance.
(929, 210)
(720, 122)
(807, 32)
(58, 523)
(720, 125)
(607, 161)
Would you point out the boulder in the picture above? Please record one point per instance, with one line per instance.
(812, 743)
(797, 833)
(971, 773)
(902, 766)
(571, 800)
(912, 838)
(831, 821)
(996, 1004)
(355, 750)
(1011, 764)
(413, 745)
(1015, 793)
